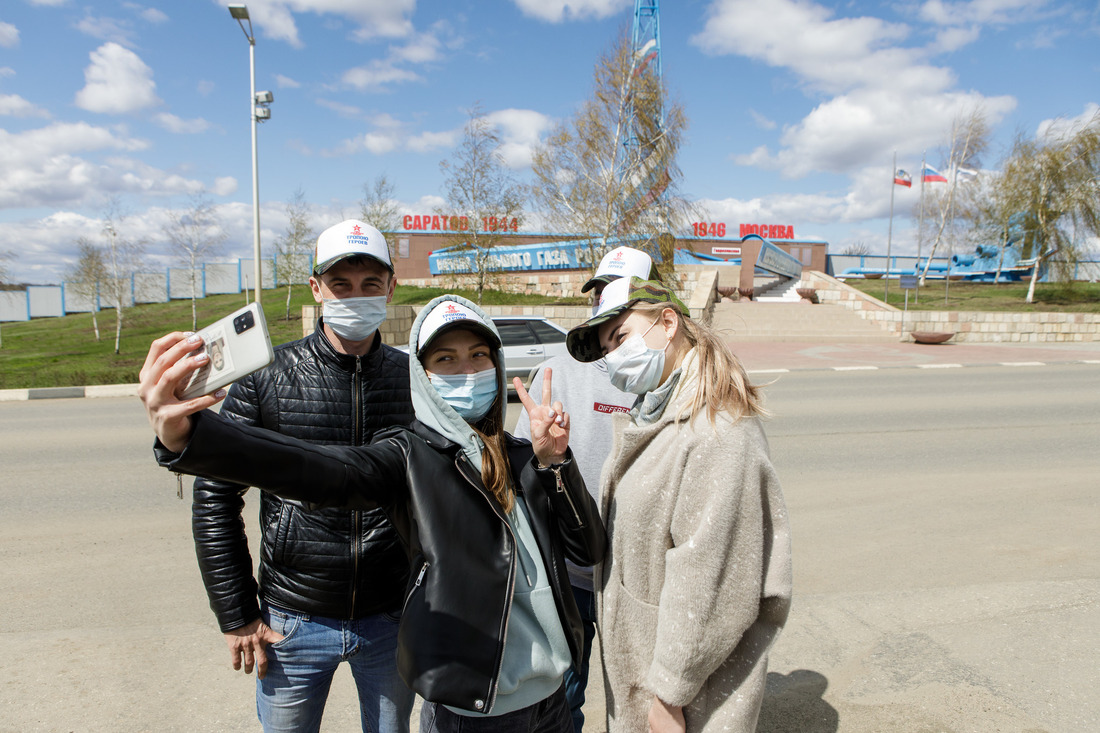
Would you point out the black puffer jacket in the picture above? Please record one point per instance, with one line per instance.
(451, 639)
(328, 562)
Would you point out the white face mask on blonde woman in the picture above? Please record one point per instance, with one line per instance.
(635, 366)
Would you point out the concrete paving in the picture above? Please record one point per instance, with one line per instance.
(947, 573)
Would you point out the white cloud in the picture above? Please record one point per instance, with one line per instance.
(826, 53)
(878, 96)
(225, 186)
(7, 71)
(761, 121)
(422, 48)
(106, 29)
(9, 35)
(344, 110)
(520, 132)
(152, 15)
(1062, 127)
(60, 165)
(285, 82)
(205, 87)
(12, 105)
(172, 123)
(117, 82)
(373, 18)
(985, 12)
(376, 75)
(555, 11)
(428, 141)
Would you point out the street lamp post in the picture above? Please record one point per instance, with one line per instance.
(257, 111)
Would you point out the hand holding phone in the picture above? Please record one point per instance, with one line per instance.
(237, 345)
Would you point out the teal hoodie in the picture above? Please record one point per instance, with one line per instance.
(536, 652)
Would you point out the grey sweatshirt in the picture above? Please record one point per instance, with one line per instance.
(586, 393)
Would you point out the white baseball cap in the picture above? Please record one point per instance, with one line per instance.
(349, 239)
(448, 314)
(621, 262)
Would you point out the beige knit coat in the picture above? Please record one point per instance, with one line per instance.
(696, 584)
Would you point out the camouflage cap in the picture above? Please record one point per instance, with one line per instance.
(583, 341)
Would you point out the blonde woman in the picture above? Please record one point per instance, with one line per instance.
(696, 584)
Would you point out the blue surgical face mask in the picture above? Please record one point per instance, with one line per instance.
(471, 395)
(354, 319)
(635, 367)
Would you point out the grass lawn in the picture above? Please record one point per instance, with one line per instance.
(63, 352)
(1075, 297)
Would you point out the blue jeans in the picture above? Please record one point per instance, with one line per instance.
(291, 697)
(549, 716)
(577, 679)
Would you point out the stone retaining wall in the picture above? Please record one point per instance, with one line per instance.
(968, 326)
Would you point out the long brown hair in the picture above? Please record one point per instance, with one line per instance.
(496, 470)
(723, 385)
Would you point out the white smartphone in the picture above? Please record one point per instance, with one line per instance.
(237, 344)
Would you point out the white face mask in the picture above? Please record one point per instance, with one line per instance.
(635, 367)
(471, 395)
(354, 319)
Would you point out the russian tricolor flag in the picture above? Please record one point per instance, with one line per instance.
(902, 178)
(931, 175)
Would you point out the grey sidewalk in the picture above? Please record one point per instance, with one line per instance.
(769, 356)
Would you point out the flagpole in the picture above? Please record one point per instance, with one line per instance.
(890, 230)
(920, 220)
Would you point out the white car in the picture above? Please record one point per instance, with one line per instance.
(528, 341)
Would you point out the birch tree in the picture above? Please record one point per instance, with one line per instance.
(4, 257)
(122, 257)
(379, 208)
(610, 171)
(294, 249)
(969, 138)
(194, 235)
(482, 197)
(1055, 178)
(88, 276)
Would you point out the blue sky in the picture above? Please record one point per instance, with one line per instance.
(795, 106)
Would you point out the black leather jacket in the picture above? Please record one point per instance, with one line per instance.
(461, 549)
(328, 562)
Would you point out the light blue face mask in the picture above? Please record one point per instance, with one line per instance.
(471, 395)
(354, 319)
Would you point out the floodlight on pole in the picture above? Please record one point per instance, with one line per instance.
(257, 111)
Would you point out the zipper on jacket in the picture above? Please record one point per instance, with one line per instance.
(569, 499)
(503, 627)
(419, 580)
(357, 516)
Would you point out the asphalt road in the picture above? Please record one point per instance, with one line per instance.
(947, 573)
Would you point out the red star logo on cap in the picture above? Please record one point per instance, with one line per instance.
(451, 308)
(356, 230)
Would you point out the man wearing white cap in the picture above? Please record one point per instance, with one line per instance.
(331, 581)
(585, 389)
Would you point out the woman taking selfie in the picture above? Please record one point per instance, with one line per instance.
(696, 584)
(489, 625)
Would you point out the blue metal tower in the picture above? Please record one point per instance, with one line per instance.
(645, 151)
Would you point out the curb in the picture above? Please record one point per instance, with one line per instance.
(872, 368)
(49, 393)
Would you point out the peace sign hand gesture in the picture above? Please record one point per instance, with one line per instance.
(549, 423)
